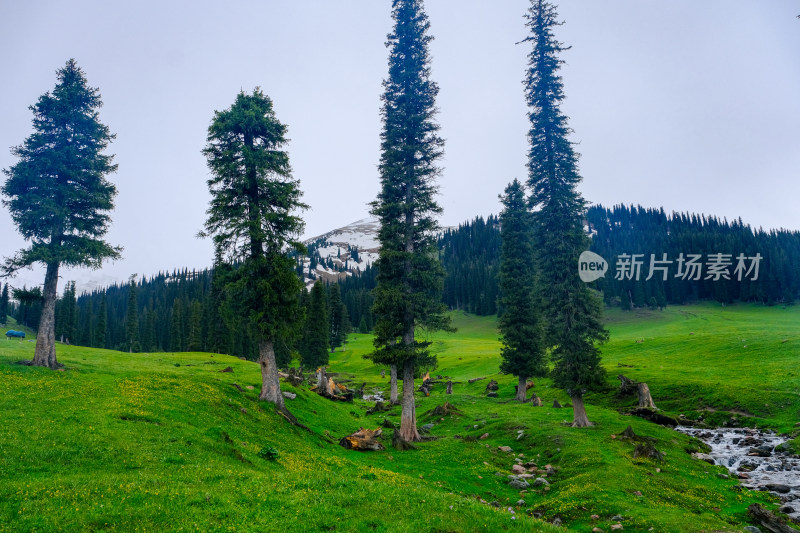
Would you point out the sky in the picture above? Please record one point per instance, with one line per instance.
(686, 105)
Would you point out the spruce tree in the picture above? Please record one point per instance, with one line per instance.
(572, 310)
(101, 331)
(335, 317)
(317, 329)
(132, 318)
(409, 280)
(58, 195)
(66, 327)
(4, 305)
(252, 220)
(520, 325)
(176, 340)
(194, 341)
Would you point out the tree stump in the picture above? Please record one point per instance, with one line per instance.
(556, 404)
(626, 385)
(295, 376)
(645, 400)
(449, 388)
(363, 440)
(536, 401)
(492, 386)
(443, 410)
(377, 408)
(399, 444)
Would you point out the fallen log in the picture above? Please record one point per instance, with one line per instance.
(768, 520)
(473, 380)
(363, 440)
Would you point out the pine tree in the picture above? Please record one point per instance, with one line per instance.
(409, 278)
(132, 318)
(335, 317)
(520, 324)
(57, 193)
(571, 309)
(176, 340)
(317, 329)
(66, 315)
(253, 227)
(4, 303)
(194, 342)
(101, 331)
(149, 337)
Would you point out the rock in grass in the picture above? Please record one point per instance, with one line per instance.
(518, 484)
(540, 481)
(752, 529)
(289, 395)
(520, 503)
(426, 428)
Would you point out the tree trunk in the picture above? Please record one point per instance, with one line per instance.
(408, 418)
(45, 352)
(645, 400)
(270, 384)
(522, 388)
(580, 420)
(449, 388)
(393, 385)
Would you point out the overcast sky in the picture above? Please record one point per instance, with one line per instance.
(693, 106)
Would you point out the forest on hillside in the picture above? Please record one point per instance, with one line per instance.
(177, 311)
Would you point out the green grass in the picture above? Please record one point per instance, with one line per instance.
(147, 442)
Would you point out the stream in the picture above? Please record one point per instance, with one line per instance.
(750, 455)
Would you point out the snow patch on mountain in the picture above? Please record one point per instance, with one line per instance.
(341, 252)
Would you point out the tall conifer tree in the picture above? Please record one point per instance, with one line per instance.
(520, 324)
(572, 310)
(252, 220)
(101, 331)
(336, 317)
(317, 329)
(58, 195)
(132, 318)
(408, 292)
(4, 305)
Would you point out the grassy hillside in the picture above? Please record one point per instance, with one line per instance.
(144, 442)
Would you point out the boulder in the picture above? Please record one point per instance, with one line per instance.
(518, 484)
(703, 457)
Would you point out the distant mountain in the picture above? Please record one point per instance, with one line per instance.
(341, 252)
